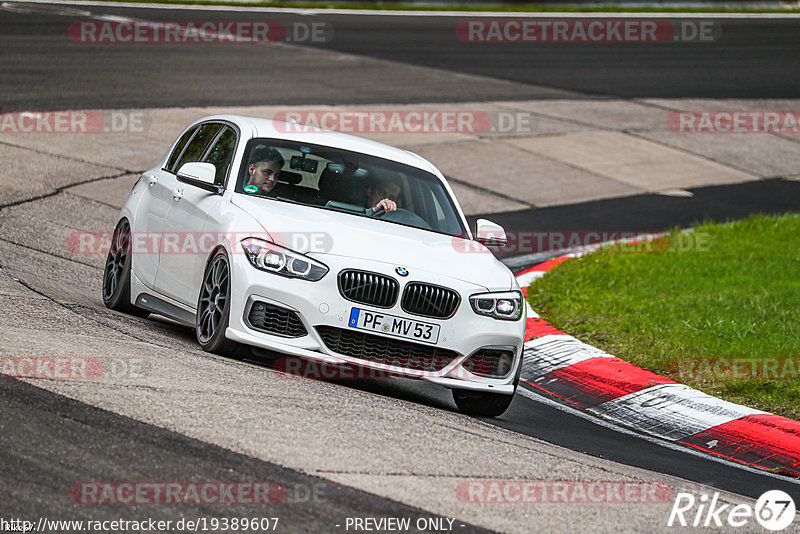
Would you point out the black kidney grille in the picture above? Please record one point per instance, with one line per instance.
(388, 351)
(491, 363)
(369, 288)
(275, 320)
(430, 300)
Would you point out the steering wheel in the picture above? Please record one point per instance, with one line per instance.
(407, 217)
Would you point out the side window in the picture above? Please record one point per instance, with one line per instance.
(173, 158)
(197, 146)
(221, 153)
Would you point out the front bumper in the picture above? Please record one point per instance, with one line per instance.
(321, 304)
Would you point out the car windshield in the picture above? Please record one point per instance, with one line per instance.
(348, 182)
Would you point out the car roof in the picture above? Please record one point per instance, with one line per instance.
(275, 129)
(253, 127)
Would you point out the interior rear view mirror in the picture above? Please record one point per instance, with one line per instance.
(301, 163)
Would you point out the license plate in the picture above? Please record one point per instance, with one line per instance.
(394, 326)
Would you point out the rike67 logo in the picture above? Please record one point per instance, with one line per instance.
(774, 510)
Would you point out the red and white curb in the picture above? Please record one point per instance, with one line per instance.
(586, 378)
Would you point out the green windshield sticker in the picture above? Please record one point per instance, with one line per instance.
(251, 189)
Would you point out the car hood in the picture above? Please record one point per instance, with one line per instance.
(319, 232)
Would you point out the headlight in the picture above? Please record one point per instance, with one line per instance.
(502, 305)
(275, 259)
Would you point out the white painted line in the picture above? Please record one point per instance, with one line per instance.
(524, 280)
(671, 411)
(539, 340)
(530, 312)
(549, 353)
(463, 14)
(652, 439)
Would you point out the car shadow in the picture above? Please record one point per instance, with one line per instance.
(407, 389)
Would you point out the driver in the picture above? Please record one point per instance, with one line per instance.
(265, 165)
(383, 194)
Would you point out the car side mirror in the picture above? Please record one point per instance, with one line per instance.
(199, 174)
(490, 234)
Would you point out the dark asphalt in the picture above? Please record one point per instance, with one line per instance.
(555, 426)
(550, 424)
(641, 214)
(48, 443)
(43, 69)
(56, 442)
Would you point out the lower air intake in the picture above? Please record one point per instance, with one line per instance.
(273, 319)
(380, 349)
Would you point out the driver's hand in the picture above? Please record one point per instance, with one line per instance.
(386, 205)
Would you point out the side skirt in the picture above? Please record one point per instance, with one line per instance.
(162, 307)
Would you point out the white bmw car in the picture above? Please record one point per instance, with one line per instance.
(324, 246)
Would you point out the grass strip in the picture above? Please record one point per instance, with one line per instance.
(716, 309)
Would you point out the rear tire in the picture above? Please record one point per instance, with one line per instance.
(117, 273)
(213, 309)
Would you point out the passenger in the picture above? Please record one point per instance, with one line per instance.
(265, 166)
(383, 194)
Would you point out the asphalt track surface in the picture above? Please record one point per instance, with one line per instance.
(642, 214)
(64, 440)
(755, 59)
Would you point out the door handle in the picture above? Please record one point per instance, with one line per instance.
(177, 194)
(152, 180)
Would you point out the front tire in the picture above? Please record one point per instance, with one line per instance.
(213, 309)
(480, 403)
(485, 404)
(117, 273)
